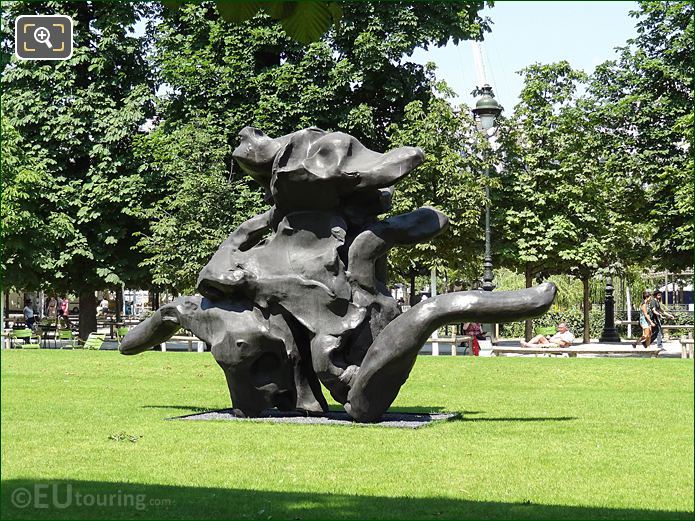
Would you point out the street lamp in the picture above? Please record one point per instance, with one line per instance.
(486, 112)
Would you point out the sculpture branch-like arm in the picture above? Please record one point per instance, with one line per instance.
(247, 235)
(418, 226)
(391, 357)
(161, 326)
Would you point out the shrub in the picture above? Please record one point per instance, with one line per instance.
(573, 317)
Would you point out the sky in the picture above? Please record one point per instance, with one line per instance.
(584, 33)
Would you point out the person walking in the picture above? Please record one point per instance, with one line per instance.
(63, 311)
(658, 315)
(645, 320)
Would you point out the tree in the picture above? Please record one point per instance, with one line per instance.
(82, 114)
(224, 76)
(303, 21)
(566, 205)
(452, 179)
(645, 99)
(530, 201)
(194, 204)
(25, 183)
(355, 79)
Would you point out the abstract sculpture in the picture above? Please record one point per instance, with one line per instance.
(296, 297)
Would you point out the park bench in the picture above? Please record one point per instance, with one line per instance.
(686, 347)
(665, 327)
(200, 345)
(454, 340)
(576, 350)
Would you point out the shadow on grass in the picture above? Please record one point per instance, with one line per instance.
(192, 408)
(29, 499)
(463, 418)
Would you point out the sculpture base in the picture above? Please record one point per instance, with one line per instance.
(403, 420)
(609, 335)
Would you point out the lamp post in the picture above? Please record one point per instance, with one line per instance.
(609, 333)
(486, 112)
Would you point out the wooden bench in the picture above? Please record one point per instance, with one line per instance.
(576, 350)
(666, 327)
(686, 347)
(200, 345)
(454, 340)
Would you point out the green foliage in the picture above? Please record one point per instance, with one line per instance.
(644, 101)
(222, 77)
(569, 288)
(607, 178)
(565, 210)
(574, 317)
(356, 79)
(304, 21)
(449, 180)
(79, 117)
(25, 182)
(567, 206)
(196, 206)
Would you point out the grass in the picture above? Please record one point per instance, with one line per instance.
(538, 438)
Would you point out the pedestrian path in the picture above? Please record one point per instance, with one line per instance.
(672, 348)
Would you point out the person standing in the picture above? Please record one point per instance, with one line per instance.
(658, 314)
(52, 307)
(645, 320)
(29, 319)
(475, 331)
(104, 305)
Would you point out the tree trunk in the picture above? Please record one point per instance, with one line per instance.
(154, 299)
(528, 330)
(88, 313)
(412, 288)
(119, 304)
(587, 309)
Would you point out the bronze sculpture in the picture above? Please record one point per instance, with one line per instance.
(296, 297)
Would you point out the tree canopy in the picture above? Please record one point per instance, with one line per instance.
(645, 100)
(26, 241)
(117, 164)
(452, 179)
(81, 116)
(221, 77)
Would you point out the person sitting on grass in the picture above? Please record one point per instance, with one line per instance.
(563, 338)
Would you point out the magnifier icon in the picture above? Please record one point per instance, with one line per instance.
(43, 35)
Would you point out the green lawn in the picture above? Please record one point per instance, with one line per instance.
(538, 438)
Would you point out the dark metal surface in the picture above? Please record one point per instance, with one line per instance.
(296, 298)
(609, 333)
